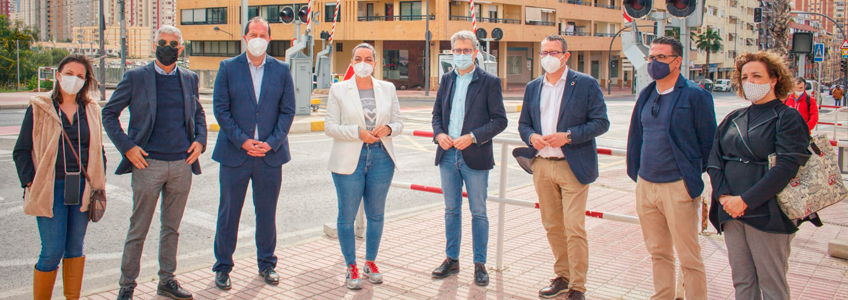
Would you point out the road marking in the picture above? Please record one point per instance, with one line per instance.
(416, 144)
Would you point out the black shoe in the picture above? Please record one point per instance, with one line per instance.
(172, 289)
(448, 267)
(125, 294)
(481, 278)
(222, 280)
(576, 295)
(558, 286)
(271, 277)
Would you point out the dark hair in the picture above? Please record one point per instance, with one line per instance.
(800, 80)
(90, 82)
(775, 66)
(676, 46)
(257, 19)
(557, 38)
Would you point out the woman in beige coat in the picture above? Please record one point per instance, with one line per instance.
(46, 165)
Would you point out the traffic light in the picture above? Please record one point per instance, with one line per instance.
(681, 8)
(638, 8)
(758, 15)
(302, 14)
(843, 66)
(287, 15)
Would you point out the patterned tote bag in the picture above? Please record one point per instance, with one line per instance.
(817, 185)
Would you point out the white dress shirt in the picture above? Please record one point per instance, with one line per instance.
(550, 103)
(256, 73)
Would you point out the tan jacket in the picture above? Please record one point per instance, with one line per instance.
(46, 134)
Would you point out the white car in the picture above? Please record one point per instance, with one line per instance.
(723, 85)
(813, 88)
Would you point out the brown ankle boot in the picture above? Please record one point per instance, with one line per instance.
(42, 284)
(72, 276)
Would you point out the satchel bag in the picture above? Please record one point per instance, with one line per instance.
(97, 203)
(817, 185)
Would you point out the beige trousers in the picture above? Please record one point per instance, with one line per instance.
(562, 203)
(666, 210)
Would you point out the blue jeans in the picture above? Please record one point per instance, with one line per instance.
(454, 172)
(62, 235)
(369, 183)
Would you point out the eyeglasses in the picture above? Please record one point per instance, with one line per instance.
(546, 53)
(173, 44)
(655, 108)
(660, 57)
(462, 51)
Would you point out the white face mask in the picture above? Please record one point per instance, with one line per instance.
(363, 69)
(257, 46)
(551, 64)
(798, 94)
(755, 92)
(71, 84)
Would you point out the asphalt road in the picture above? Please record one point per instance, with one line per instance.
(307, 201)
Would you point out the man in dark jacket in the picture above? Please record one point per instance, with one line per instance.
(467, 114)
(671, 133)
(165, 136)
(562, 114)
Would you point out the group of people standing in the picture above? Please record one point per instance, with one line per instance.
(673, 140)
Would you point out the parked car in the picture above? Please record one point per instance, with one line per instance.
(705, 83)
(723, 85)
(813, 88)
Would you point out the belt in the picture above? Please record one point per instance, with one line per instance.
(553, 158)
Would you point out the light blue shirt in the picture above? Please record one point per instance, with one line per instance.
(256, 73)
(457, 116)
(162, 72)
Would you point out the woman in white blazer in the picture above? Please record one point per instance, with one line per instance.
(363, 115)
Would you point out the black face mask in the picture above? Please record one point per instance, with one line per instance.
(167, 55)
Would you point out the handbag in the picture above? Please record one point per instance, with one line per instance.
(97, 203)
(817, 185)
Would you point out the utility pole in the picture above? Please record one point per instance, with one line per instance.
(123, 38)
(18, 59)
(102, 54)
(427, 50)
(244, 22)
(684, 40)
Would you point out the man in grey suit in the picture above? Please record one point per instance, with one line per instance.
(165, 136)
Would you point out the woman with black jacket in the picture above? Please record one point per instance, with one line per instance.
(744, 204)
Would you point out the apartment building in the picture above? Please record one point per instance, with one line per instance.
(733, 20)
(138, 39)
(397, 31)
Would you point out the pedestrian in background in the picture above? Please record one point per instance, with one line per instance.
(744, 205)
(467, 114)
(161, 146)
(671, 132)
(54, 190)
(363, 115)
(804, 103)
(254, 105)
(837, 94)
(562, 114)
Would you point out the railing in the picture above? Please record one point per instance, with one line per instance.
(205, 22)
(395, 18)
(574, 33)
(541, 23)
(577, 2)
(604, 34)
(607, 6)
(487, 20)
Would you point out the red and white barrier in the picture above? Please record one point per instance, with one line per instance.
(601, 151)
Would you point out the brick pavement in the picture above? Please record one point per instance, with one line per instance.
(619, 265)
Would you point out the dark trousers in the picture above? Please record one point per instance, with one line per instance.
(266, 191)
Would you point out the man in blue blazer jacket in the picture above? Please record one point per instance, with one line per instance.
(165, 136)
(562, 114)
(467, 114)
(671, 134)
(255, 106)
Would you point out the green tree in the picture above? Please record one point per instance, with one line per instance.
(9, 54)
(710, 42)
(58, 54)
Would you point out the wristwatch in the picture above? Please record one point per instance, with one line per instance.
(568, 135)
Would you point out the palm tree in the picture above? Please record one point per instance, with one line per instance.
(779, 27)
(710, 42)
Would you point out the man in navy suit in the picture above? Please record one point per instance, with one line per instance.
(165, 136)
(467, 114)
(254, 105)
(671, 135)
(562, 114)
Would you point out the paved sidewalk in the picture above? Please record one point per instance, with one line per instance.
(619, 265)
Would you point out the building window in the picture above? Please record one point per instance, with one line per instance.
(215, 48)
(329, 11)
(278, 48)
(202, 16)
(410, 11)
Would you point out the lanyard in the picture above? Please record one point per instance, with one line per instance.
(79, 142)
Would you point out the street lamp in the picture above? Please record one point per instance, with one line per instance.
(219, 29)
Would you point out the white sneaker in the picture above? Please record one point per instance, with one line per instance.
(352, 280)
(372, 273)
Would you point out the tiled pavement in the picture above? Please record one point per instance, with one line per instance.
(619, 265)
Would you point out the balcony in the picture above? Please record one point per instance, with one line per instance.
(615, 7)
(604, 34)
(577, 2)
(486, 20)
(541, 23)
(395, 18)
(575, 33)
